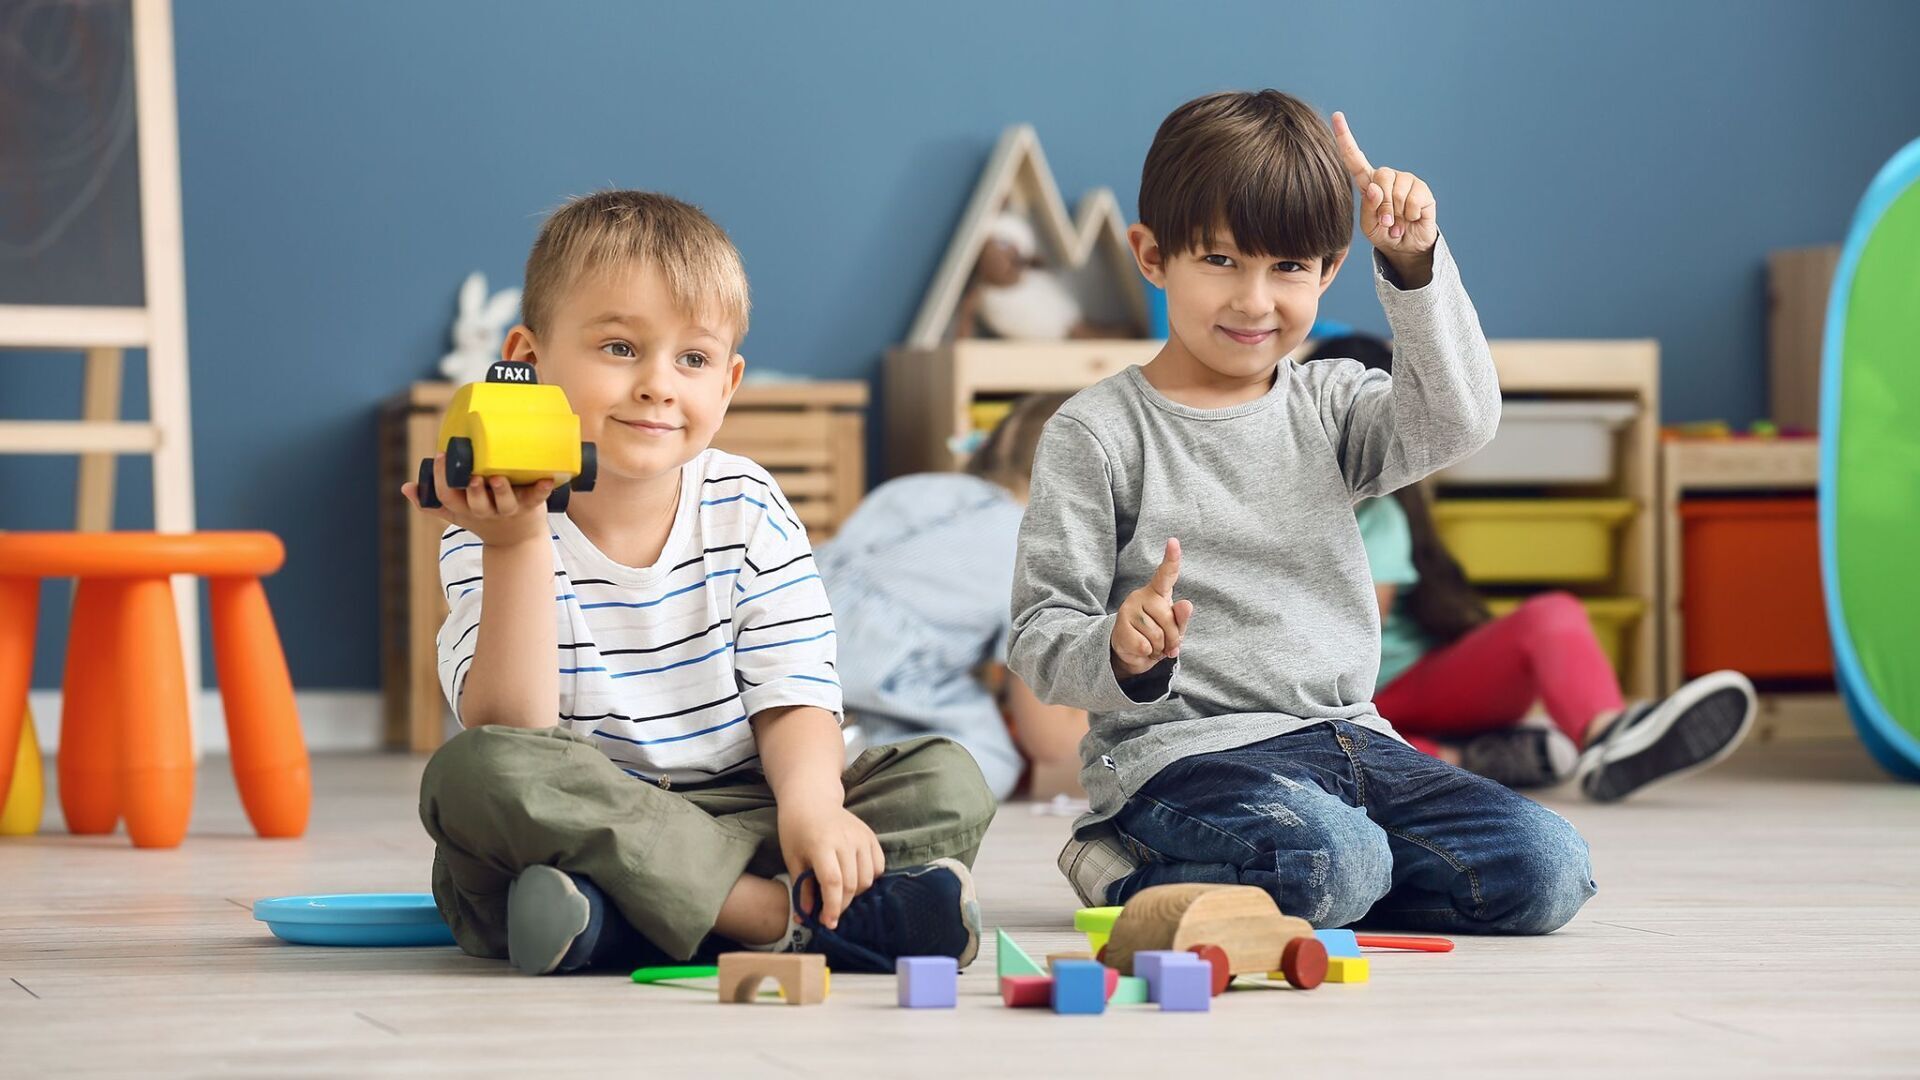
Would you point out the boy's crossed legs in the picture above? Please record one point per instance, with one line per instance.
(498, 801)
(1342, 824)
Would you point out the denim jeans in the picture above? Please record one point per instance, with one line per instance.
(1344, 825)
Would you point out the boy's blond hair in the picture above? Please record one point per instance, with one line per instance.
(1260, 164)
(617, 230)
(1006, 458)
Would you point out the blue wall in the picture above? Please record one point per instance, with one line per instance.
(1608, 170)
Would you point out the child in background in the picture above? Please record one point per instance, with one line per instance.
(652, 766)
(1191, 572)
(1450, 671)
(919, 578)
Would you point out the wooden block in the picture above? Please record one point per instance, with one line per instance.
(1025, 991)
(1147, 965)
(1054, 958)
(1096, 920)
(927, 982)
(1339, 942)
(1128, 990)
(802, 976)
(1347, 969)
(1011, 959)
(1079, 988)
(1185, 985)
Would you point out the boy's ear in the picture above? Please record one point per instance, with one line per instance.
(520, 345)
(1332, 267)
(735, 368)
(1147, 254)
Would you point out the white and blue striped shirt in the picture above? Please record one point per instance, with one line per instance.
(662, 666)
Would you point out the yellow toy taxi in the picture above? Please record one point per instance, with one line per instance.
(512, 426)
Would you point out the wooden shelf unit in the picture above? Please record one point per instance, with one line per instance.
(1623, 370)
(1770, 466)
(810, 436)
(929, 393)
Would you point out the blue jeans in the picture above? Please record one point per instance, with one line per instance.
(1344, 825)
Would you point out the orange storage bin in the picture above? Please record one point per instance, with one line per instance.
(1750, 591)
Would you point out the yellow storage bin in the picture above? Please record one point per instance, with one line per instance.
(1537, 541)
(986, 415)
(1612, 617)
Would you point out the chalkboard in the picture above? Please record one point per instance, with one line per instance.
(69, 169)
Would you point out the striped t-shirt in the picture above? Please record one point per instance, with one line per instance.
(662, 666)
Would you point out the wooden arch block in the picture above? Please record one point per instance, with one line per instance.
(802, 976)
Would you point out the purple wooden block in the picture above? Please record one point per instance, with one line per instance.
(927, 982)
(1146, 965)
(1186, 987)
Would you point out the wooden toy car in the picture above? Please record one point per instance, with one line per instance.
(512, 426)
(1238, 928)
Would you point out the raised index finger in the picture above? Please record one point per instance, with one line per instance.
(1169, 571)
(1356, 161)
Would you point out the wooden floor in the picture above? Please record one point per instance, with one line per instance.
(1760, 920)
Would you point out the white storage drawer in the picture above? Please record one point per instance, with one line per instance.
(1548, 442)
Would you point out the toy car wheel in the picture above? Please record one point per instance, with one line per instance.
(1215, 956)
(589, 468)
(459, 461)
(428, 495)
(1304, 962)
(557, 499)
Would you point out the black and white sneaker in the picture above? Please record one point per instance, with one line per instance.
(1521, 757)
(926, 910)
(1700, 724)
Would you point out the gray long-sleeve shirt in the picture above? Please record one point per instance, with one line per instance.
(1286, 627)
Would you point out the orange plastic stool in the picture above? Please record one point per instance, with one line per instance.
(125, 745)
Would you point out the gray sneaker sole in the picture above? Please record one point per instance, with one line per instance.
(969, 908)
(545, 913)
(1699, 726)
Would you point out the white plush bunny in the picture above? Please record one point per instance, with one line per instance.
(1025, 300)
(479, 329)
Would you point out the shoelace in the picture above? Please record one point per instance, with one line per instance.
(860, 922)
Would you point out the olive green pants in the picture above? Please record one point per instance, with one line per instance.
(497, 800)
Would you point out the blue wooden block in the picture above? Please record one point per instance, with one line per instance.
(1079, 987)
(1339, 942)
(1146, 965)
(1186, 986)
(927, 982)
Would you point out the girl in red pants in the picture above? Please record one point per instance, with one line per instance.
(1451, 676)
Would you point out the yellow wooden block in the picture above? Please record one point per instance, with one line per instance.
(1347, 969)
(1096, 942)
(20, 816)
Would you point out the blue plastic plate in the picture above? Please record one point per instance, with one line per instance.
(363, 919)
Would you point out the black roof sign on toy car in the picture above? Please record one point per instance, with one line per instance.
(513, 371)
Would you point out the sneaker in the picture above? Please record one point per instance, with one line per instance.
(1700, 724)
(559, 922)
(1093, 865)
(926, 910)
(1521, 757)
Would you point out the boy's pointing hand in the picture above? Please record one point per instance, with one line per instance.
(1151, 622)
(1397, 209)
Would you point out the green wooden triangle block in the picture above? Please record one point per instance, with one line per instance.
(1012, 959)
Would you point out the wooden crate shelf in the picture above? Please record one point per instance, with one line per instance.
(1768, 466)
